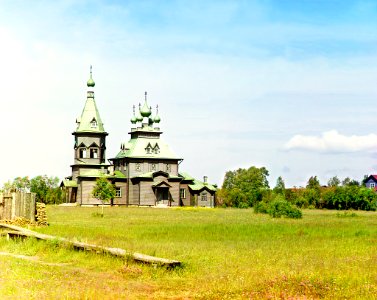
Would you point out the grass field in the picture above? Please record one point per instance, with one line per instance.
(226, 254)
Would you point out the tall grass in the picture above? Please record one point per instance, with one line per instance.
(227, 253)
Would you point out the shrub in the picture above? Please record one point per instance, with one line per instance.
(261, 207)
(282, 208)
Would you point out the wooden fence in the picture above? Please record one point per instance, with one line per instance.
(17, 204)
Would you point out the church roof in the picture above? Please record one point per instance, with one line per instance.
(199, 185)
(145, 147)
(90, 120)
(69, 183)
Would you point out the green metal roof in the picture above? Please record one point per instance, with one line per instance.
(90, 120)
(91, 173)
(186, 176)
(136, 148)
(70, 183)
(199, 185)
(119, 174)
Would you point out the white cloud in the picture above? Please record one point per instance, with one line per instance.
(333, 142)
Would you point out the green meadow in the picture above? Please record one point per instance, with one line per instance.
(226, 254)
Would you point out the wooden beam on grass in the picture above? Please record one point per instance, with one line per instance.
(22, 232)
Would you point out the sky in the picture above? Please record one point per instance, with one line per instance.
(283, 84)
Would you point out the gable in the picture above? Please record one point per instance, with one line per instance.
(371, 178)
(162, 183)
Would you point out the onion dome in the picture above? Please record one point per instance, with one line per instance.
(133, 119)
(139, 117)
(90, 82)
(151, 119)
(145, 111)
(157, 118)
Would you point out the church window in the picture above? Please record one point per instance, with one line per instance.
(93, 123)
(93, 153)
(118, 192)
(138, 167)
(204, 197)
(148, 149)
(82, 152)
(156, 149)
(182, 193)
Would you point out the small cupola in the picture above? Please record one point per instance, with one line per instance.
(134, 118)
(145, 111)
(157, 118)
(90, 82)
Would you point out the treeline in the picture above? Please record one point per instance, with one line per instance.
(250, 188)
(46, 188)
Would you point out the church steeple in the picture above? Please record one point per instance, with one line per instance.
(90, 120)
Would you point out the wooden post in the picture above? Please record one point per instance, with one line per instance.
(13, 207)
(1, 205)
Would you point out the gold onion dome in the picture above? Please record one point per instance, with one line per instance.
(145, 111)
(90, 82)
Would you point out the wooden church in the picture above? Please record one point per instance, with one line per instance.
(145, 172)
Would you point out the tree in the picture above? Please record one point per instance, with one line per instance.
(313, 183)
(348, 182)
(46, 189)
(22, 183)
(365, 179)
(313, 191)
(280, 186)
(104, 190)
(244, 187)
(333, 181)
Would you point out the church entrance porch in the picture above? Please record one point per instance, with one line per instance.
(162, 195)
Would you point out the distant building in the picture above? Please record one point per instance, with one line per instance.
(371, 182)
(144, 172)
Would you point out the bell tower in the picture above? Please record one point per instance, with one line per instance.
(90, 139)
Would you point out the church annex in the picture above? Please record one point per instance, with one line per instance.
(145, 172)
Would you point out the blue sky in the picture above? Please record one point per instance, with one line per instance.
(289, 85)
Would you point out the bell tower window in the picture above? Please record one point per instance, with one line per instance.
(82, 152)
(93, 152)
(93, 123)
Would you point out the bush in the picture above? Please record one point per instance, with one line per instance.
(282, 208)
(261, 207)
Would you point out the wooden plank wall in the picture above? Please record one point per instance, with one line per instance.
(147, 196)
(17, 204)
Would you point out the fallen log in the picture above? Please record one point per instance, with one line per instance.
(22, 232)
